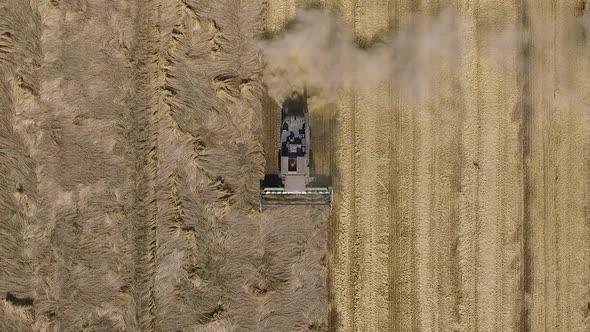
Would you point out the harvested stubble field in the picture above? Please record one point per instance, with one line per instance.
(130, 153)
(133, 134)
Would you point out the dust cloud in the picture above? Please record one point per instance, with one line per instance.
(319, 51)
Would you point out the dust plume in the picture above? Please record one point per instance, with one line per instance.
(322, 53)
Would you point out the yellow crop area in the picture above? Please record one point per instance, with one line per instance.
(466, 210)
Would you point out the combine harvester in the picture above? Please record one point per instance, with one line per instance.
(295, 184)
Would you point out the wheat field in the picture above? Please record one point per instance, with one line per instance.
(133, 135)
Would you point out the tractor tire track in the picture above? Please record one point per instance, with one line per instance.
(346, 265)
(406, 140)
(401, 256)
(526, 118)
(372, 111)
(537, 168)
(144, 136)
(496, 250)
(468, 217)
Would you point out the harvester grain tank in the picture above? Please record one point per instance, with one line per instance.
(295, 184)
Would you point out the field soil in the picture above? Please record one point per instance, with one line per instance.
(133, 135)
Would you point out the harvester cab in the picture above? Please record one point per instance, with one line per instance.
(294, 184)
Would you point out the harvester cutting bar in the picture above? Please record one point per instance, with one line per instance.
(308, 191)
(281, 197)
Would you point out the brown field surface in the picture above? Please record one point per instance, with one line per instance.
(133, 135)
